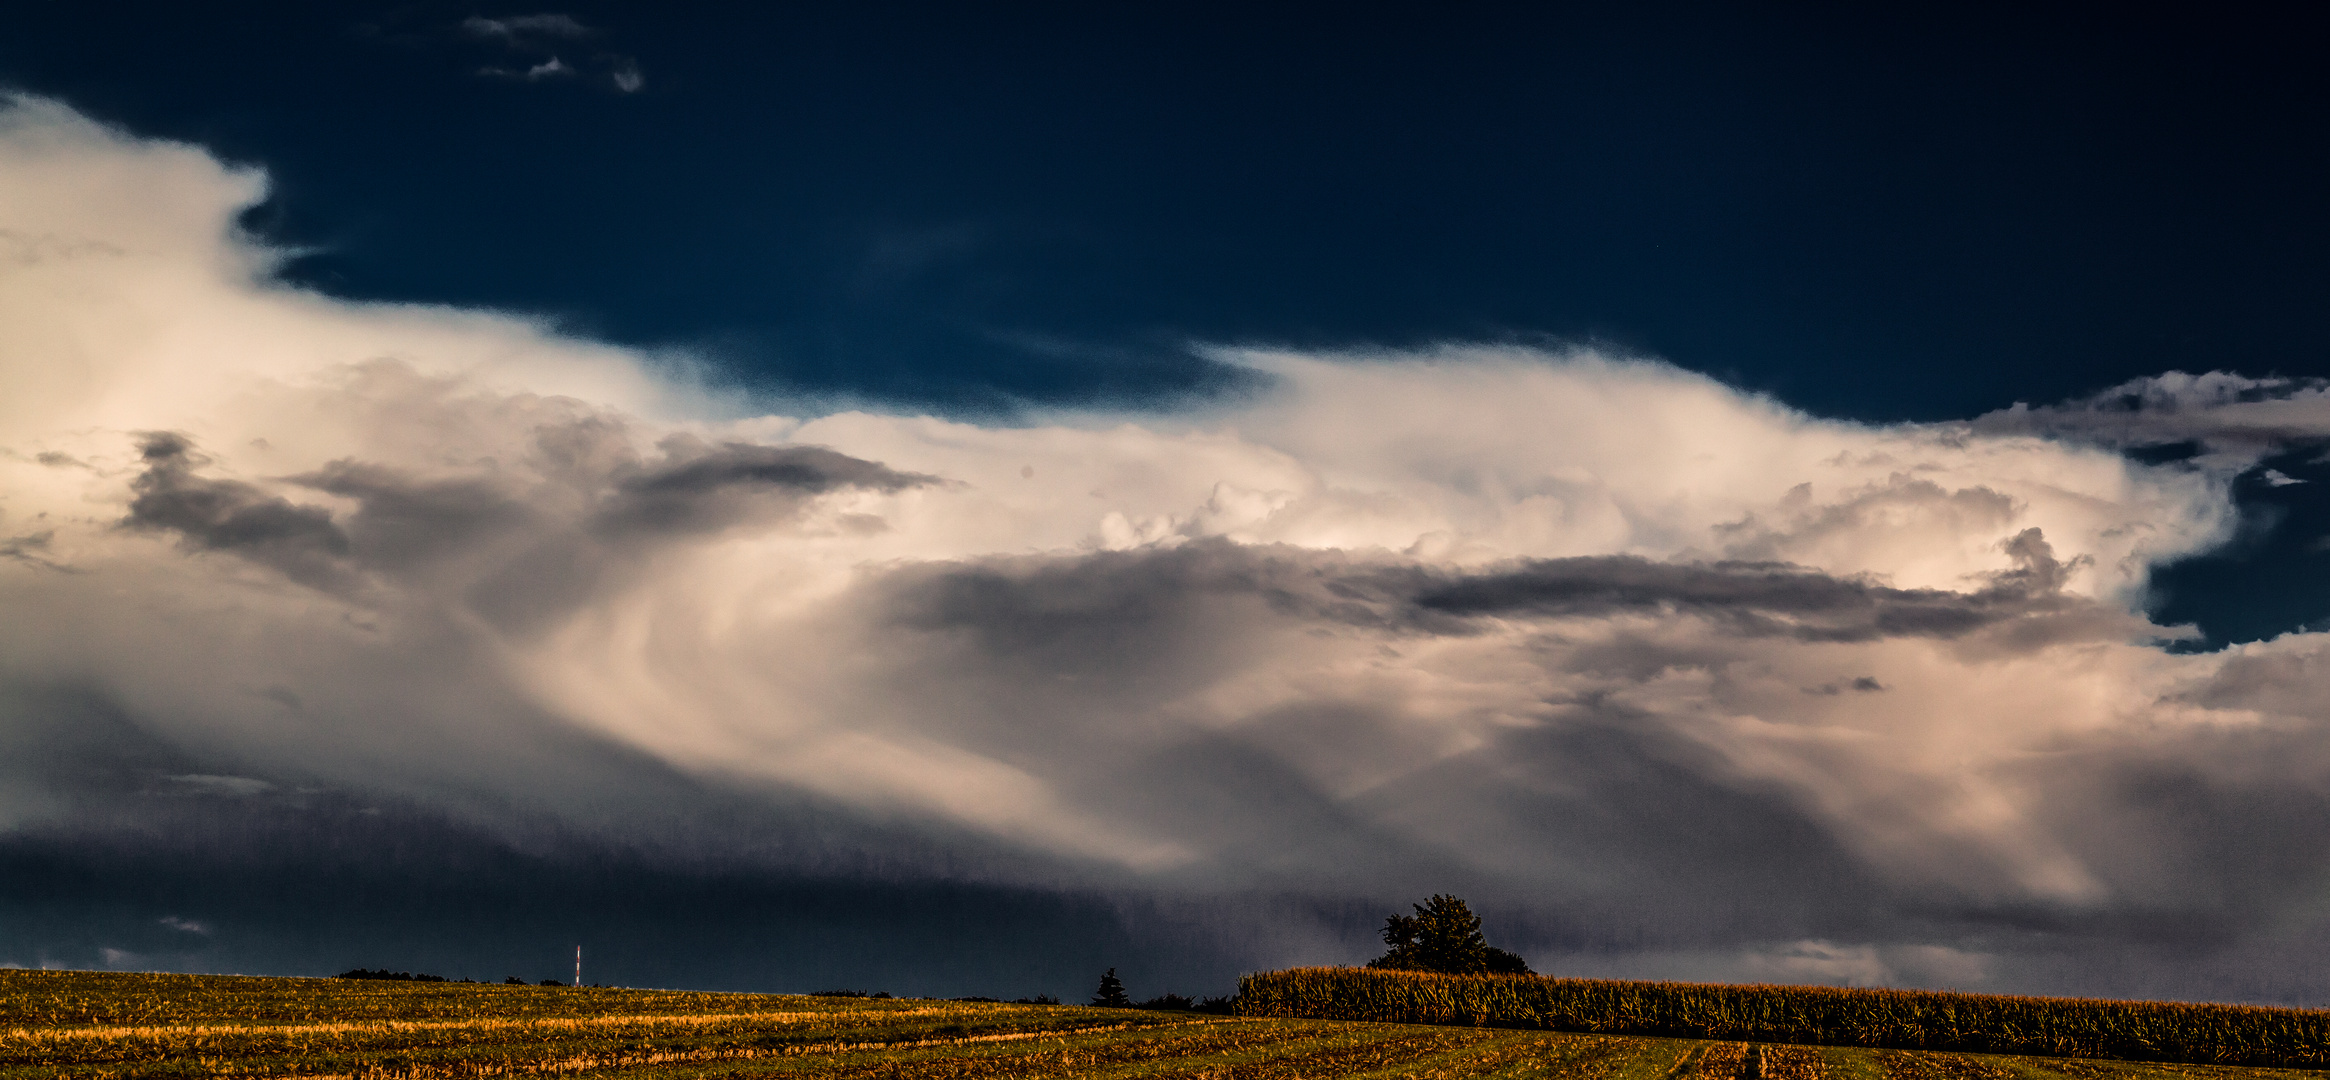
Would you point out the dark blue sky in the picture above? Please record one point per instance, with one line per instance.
(1878, 216)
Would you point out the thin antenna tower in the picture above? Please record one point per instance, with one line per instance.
(578, 967)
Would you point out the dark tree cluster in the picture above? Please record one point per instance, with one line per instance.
(1444, 936)
(1111, 995)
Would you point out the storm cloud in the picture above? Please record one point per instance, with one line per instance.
(394, 616)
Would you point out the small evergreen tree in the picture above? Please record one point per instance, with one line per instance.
(1111, 993)
(1444, 936)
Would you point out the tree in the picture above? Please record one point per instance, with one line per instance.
(1111, 993)
(1444, 936)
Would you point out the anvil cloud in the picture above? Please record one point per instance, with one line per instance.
(1672, 678)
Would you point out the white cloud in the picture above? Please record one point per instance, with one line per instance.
(1562, 624)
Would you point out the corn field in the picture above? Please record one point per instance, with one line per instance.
(1813, 1015)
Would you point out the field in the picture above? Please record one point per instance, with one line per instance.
(80, 1024)
(1813, 1015)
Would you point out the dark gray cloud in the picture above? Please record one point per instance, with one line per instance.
(31, 549)
(329, 886)
(1752, 598)
(1027, 603)
(698, 488)
(296, 873)
(589, 489)
(231, 516)
(404, 522)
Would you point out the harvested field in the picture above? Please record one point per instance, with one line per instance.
(80, 1024)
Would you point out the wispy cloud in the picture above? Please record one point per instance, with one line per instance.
(552, 37)
(30, 548)
(553, 68)
(526, 28)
